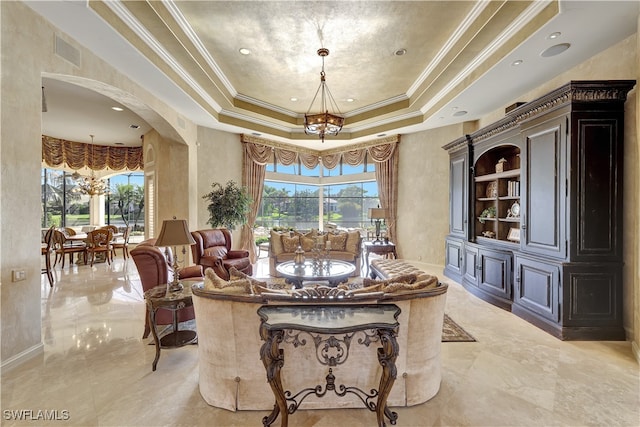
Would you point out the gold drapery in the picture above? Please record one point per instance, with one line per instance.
(77, 155)
(387, 179)
(255, 158)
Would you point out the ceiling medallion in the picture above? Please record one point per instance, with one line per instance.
(323, 123)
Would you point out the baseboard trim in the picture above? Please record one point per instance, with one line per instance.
(22, 357)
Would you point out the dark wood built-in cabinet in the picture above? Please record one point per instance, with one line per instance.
(536, 211)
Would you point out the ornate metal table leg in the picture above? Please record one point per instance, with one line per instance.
(152, 321)
(387, 355)
(273, 359)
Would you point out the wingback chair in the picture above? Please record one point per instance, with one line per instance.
(213, 249)
(154, 269)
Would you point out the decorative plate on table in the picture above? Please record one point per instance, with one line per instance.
(492, 189)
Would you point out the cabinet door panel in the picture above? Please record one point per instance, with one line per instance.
(471, 266)
(537, 287)
(542, 225)
(593, 295)
(458, 194)
(454, 258)
(598, 203)
(495, 275)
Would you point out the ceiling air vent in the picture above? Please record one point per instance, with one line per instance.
(66, 51)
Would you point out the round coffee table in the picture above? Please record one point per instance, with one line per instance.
(334, 272)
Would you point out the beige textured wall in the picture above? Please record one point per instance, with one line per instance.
(219, 160)
(27, 54)
(423, 195)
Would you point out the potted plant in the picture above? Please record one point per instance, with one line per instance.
(228, 205)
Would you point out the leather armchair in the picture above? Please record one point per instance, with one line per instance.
(155, 269)
(213, 249)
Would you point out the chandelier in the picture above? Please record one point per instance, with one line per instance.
(324, 122)
(90, 185)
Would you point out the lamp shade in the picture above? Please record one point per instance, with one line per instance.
(377, 213)
(175, 232)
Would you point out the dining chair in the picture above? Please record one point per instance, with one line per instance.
(122, 244)
(113, 228)
(99, 241)
(46, 251)
(63, 247)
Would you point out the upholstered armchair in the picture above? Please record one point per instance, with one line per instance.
(155, 269)
(213, 249)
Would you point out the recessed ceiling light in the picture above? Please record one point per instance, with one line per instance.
(400, 52)
(517, 62)
(459, 113)
(255, 134)
(350, 99)
(117, 109)
(454, 108)
(555, 50)
(380, 135)
(244, 51)
(554, 35)
(119, 143)
(293, 99)
(134, 126)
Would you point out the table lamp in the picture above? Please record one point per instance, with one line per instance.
(377, 216)
(175, 232)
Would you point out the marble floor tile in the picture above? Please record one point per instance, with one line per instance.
(96, 368)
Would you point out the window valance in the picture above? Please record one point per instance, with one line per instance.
(260, 150)
(77, 155)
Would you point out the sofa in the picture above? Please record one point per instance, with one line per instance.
(231, 375)
(213, 249)
(154, 268)
(342, 245)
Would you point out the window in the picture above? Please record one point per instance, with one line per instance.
(62, 206)
(294, 196)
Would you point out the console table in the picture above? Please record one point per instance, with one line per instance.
(331, 328)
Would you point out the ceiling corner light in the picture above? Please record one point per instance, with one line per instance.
(400, 52)
(117, 109)
(323, 123)
(555, 50)
(554, 35)
(244, 51)
(517, 62)
(459, 113)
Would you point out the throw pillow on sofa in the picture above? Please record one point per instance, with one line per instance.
(353, 241)
(212, 282)
(275, 242)
(338, 241)
(290, 244)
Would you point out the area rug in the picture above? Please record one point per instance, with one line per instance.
(452, 332)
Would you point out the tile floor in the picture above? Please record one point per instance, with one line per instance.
(97, 368)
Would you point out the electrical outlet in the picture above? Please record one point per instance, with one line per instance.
(18, 275)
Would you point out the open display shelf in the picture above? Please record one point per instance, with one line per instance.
(498, 194)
